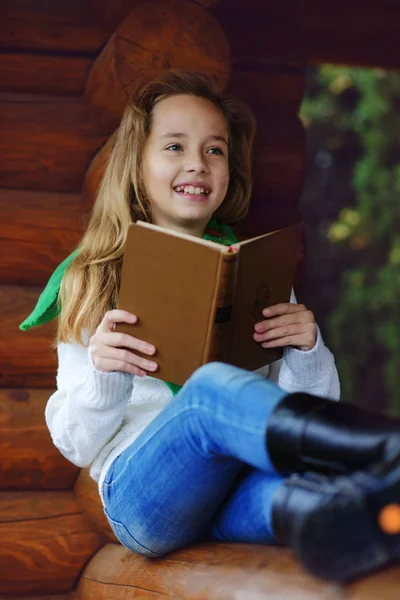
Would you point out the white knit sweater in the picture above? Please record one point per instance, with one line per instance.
(93, 416)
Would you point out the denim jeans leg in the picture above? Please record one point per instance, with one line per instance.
(245, 515)
(163, 491)
(232, 407)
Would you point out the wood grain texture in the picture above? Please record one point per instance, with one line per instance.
(45, 541)
(37, 231)
(220, 572)
(26, 357)
(95, 172)
(71, 596)
(268, 74)
(111, 14)
(353, 32)
(157, 34)
(42, 25)
(279, 165)
(207, 3)
(43, 74)
(28, 458)
(46, 142)
(83, 27)
(262, 33)
(88, 498)
(272, 89)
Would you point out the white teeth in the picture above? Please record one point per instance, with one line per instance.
(190, 189)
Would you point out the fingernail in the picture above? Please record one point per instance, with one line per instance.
(151, 349)
(265, 311)
(258, 327)
(152, 366)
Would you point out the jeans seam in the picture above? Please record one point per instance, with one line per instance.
(130, 535)
(181, 412)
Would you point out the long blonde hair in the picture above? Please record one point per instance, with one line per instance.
(90, 286)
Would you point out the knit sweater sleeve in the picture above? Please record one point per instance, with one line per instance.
(313, 371)
(88, 407)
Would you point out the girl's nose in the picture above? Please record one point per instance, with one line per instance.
(196, 163)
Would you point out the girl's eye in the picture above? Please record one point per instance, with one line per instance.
(215, 151)
(174, 147)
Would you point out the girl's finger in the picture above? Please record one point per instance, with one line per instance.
(109, 365)
(279, 343)
(121, 356)
(116, 339)
(305, 316)
(114, 316)
(304, 342)
(284, 308)
(280, 332)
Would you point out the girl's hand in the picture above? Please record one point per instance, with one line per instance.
(287, 325)
(108, 348)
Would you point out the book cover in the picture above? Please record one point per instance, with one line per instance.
(198, 301)
(266, 270)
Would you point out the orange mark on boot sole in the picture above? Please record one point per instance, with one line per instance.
(389, 519)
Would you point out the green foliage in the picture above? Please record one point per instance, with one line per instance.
(359, 109)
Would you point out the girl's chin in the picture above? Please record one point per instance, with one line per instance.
(197, 209)
(195, 214)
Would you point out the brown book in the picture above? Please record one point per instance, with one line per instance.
(198, 301)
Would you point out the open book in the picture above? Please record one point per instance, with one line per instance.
(198, 301)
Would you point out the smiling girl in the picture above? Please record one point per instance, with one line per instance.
(213, 461)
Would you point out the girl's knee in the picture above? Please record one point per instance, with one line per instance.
(155, 549)
(214, 374)
(144, 548)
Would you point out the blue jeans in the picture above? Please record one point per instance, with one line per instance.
(201, 469)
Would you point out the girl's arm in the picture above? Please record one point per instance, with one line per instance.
(94, 385)
(313, 371)
(88, 407)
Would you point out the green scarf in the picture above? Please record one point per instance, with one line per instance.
(47, 307)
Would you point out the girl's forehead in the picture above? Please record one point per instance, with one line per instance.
(185, 110)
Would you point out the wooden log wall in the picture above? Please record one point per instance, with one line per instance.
(268, 74)
(47, 139)
(179, 35)
(45, 541)
(362, 33)
(30, 461)
(66, 72)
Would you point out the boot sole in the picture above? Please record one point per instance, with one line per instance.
(341, 539)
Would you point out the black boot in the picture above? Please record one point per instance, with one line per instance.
(305, 432)
(341, 527)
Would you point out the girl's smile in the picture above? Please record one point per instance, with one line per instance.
(193, 191)
(185, 163)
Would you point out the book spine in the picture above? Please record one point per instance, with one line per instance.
(219, 340)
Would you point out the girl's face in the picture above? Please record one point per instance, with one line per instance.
(185, 163)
